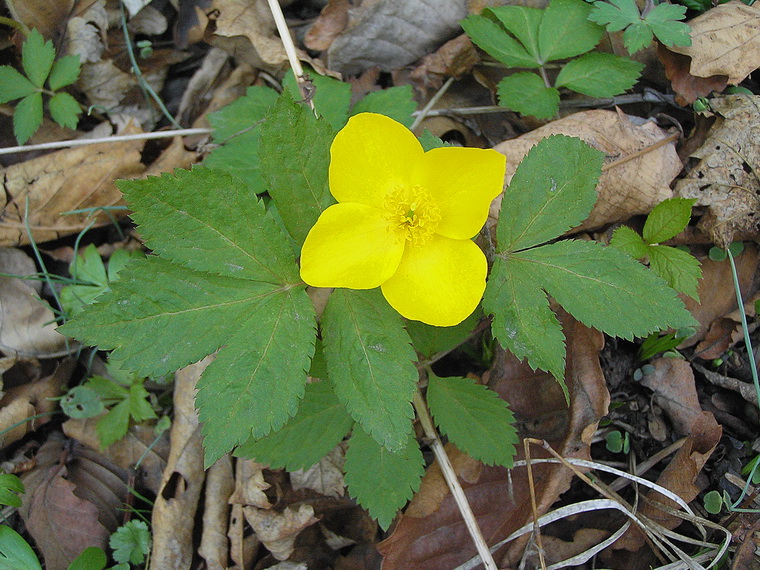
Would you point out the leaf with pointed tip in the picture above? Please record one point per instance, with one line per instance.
(65, 71)
(65, 110)
(678, 268)
(599, 74)
(492, 39)
(395, 102)
(13, 85)
(627, 240)
(37, 57)
(27, 117)
(566, 30)
(526, 93)
(667, 219)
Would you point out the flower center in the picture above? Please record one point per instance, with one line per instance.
(413, 216)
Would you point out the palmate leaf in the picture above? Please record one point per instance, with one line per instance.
(663, 20)
(616, 15)
(320, 424)
(526, 93)
(370, 363)
(382, 481)
(474, 418)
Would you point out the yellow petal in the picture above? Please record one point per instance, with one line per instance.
(462, 181)
(370, 156)
(350, 246)
(439, 283)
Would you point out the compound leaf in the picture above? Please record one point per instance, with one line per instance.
(663, 20)
(678, 268)
(491, 38)
(523, 22)
(552, 191)
(65, 110)
(396, 103)
(566, 30)
(605, 288)
(65, 71)
(295, 155)
(627, 240)
(131, 542)
(37, 57)
(370, 363)
(320, 424)
(667, 219)
(209, 221)
(599, 74)
(474, 418)
(526, 93)
(28, 117)
(13, 85)
(237, 129)
(382, 481)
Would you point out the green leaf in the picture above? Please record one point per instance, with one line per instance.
(108, 390)
(678, 268)
(237, 128)
(28, 117)
(637, 36)
(139, 406)
(295, 155)
(552, 191)
(474, 418)
(600, 74)
(10, 485)
(615, 14)
(65, 110)
(429, 141)
(65, 71)
(370, 363)
(320, 424)
(382, 481)
(526, 93)
(605, 289)
(396, 102)
(131, 542)
(663, 21)
(523, 23)
(119, 260)
(491, 38)
(114, 425)
(429, 340)
(566, 30)
(207, 220)
(15, 552)
(331, 97)
(627, 240)
(88, 267)
(91, 558)
(13, 85)
(82, 402)
(37, 57)
(523, 322)
(667, 219)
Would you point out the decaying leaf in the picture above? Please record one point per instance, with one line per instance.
(43, 15)
(688, 87)
(250, 485)
(455, 58)
(626, 189)
(726, 331)
(325, 477)
(332, 21)
(727, 178)
(278, 531)
(672, 382)
(215, 545)
(725, 41)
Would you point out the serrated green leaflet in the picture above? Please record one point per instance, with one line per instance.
(526, 93)
(13, 85)
(209, 221)
(566, 31)
(491, 38)
(65, 71)
(552, 191)
(667, 219)
(599, 74)
(637, 36)
(65, 110)
(382, 481)
(237, 128)
(523, 322)
(396, 103)
(37, 57)
(91, 558)
(319, 425)
(679, 268)
(429, 340)
(15, 552)
(295, 155)
(370, 363)
(627, 240)
(331, 97)
(10, 485)
(523, 23)
(663, 21)
(131, 542)
(605, 288)
(27, 117)
(615, 14)
(474, 418)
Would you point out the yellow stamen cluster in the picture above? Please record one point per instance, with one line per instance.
(412, 214)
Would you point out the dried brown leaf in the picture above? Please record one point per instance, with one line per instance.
(215, 545)
(278, 531)
(455, 58)
(250, 485)
(688, 87)
(324, 477)
(331, 22)
(672, 382)
(43, 15)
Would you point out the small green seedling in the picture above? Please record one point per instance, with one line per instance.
(529, 38)
(40, 67)
(656, 343)
(714, 501)
(131, 543)
(719, 254)
(656, 20)
(618, 442)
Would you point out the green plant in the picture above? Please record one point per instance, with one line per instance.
(40, 66)
(522, 37)
(224, 278)
(656, 20)
(714, 501)
(130, 543)
(10, 486)
(617, 442)
(15, 553)
(667, 219)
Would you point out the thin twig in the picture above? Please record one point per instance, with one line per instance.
(420, 116)
(451, 480)
(645, 150)
(533, 506)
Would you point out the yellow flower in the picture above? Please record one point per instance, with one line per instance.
(404, 220)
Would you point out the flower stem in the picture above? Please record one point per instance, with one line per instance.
(453, 482)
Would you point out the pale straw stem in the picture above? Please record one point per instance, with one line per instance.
(290, 49)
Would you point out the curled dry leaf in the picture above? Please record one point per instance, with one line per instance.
(625, 189)
(672, 382)
(724, 41)
(727, 177)
(435, 537)
(726, 331)
(250, 485)
(278, 531)
(455, 58)
(183, 478)
(326, 476)
(331, 22)
(215, 546)
(72, 179)
(688, 87)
